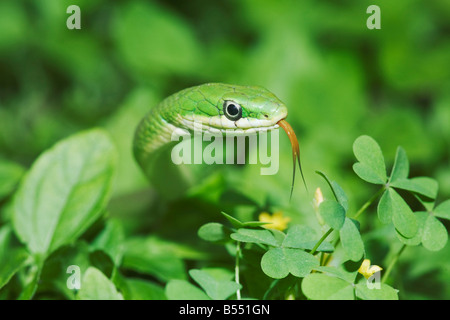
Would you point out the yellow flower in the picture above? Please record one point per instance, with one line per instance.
(367, 270)
(277, 221)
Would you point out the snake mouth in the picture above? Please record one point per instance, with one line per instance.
(295, 151)
(222, 125)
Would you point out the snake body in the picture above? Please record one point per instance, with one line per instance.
(218, 107)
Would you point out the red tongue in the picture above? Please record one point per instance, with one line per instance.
(295, 150)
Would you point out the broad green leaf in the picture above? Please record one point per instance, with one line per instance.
(11, 259)
(156, 257)
(384, 292)
(371, 166)
(304, 237)
(277, 263)
(96, 286)
(338, 192)
(351, 240)
(138, 289)
(214, 232)
(421, 217)
(255, 236)
(403, 218)
(65, 191)
(393, 206)
(443, 210)
(400, 170)
(338, 272)
(216, 288)
(10, 175)
(332, 213)
(317, 286)
(434, 235)
(110, 240)
(424, 186)
(183, 290)
(385, 208)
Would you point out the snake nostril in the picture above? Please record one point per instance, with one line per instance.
(266, 116)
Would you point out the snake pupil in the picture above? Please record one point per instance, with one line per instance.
(232, 110)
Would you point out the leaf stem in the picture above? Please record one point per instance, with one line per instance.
(236, 269)
(325, 235)
(369, 202)
(391, 265)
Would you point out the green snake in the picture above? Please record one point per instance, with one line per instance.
(218, 107)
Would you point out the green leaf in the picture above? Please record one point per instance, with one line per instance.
(338, 272)
(392, 206)
(183, 290)
(156, 257)
(385, 208)
(332, 213)
(10, 175)
(12, 259)
(400, 170)
(443, 210)
(234, 222)
(435, 235)
(238, 224)
(384, 292)
(371, 166)
(338, 192)
(65, 191)
(214, 232)
(421, 217)
(277, 263)
(255, 236)
(215, 288)
(424, 186)
(404, 219)
(96, 286)
(138, 289)
(304, 237)
(110, 240)
(317, 286)
(351, 240)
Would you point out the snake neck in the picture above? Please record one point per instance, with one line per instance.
(152, 133)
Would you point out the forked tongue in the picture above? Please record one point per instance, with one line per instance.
(295, 151)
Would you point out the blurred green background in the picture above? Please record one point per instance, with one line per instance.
(338, 78)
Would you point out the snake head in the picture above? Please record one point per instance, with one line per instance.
(252, 108)
(219, 107)
(244, 109)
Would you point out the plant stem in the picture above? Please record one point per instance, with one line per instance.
(369, 202)
(325, 235)
(391, 265)
(236, 269)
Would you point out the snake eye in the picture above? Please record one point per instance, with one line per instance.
(232, 110)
